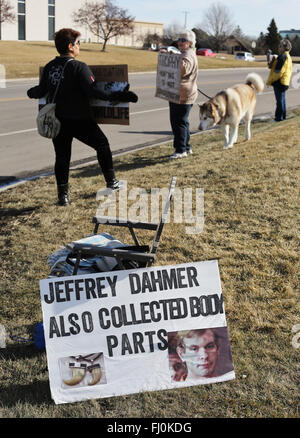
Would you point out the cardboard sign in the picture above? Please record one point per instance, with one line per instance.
(123, 332)
(168, 77)
(110, 78)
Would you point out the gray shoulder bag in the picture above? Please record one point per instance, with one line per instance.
(47, 123)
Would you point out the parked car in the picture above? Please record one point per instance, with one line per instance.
(244, 56)
(205, 52)
(169, 49)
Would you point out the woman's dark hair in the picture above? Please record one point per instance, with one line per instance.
(63, 38)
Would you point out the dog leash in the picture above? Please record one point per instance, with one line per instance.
(204, 94)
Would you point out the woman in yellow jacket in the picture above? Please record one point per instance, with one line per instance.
(280, 76)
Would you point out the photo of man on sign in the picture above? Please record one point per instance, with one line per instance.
(199, 354)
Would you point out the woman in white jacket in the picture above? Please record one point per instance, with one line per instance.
(179, 112)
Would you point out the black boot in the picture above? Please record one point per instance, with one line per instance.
(111, 180)
(63, 196)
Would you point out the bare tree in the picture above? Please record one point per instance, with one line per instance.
(171, 32)
(149, 39)
(218, 24)
(237, 32)
(202, 38)
(6, 14)
(105, 20)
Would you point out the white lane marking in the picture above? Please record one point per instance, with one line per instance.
(149, 111)
(18, 132)
(132, 114)
(35, 129)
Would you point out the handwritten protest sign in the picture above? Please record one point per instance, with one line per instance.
(122, 332)
(110, 78)
(168, 76)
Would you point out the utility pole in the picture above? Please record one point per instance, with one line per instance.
(185, 18)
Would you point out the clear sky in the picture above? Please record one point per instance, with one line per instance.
(253, 16)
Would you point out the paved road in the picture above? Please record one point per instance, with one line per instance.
(23, 152)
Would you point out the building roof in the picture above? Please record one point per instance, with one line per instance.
(244, 43)
(291, 30)
(148, 22)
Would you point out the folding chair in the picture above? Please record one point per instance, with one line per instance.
(127, 257)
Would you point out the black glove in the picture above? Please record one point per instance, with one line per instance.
(123, 96)
(32, 92)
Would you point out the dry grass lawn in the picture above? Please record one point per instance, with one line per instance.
(251, 225)
(23, 59)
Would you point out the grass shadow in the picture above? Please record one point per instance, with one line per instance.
(19, 352)
(51, 45)
(37, 391)
(15, 212)
(135, 163)
(35, 394)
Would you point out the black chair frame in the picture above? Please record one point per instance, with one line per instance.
(127, 257)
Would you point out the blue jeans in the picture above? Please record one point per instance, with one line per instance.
(280, 112)
(179, 118)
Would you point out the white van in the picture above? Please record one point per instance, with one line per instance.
(244, 56)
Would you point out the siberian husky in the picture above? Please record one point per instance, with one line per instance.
(229, 106)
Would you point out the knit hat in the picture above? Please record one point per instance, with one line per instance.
(188, 35)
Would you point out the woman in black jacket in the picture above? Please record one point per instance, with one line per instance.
(78, 85)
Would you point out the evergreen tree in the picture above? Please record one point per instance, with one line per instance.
(295, 46)
(260, 48)
(273, 37)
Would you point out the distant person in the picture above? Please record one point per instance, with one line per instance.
(73, 110)
(280, 77)
(179, 112)
(269, 54)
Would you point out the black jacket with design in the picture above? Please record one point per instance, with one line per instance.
(76, 88)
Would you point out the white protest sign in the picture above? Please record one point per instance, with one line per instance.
(123, 332)
(168, 79)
